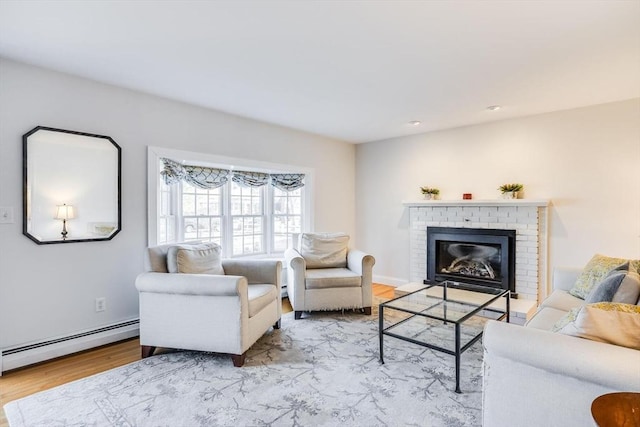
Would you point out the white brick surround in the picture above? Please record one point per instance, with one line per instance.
(527, 217)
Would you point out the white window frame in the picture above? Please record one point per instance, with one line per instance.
(154, 154)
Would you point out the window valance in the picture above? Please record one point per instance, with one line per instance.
(209, 178)
(198, 176)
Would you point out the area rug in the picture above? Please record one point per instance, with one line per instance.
(322, 370)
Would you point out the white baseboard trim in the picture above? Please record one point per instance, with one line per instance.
(12, 358)
(391, 281)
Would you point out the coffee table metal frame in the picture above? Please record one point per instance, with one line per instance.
(425, 312)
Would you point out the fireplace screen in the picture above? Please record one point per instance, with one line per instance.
(474, 256)
(468, 259)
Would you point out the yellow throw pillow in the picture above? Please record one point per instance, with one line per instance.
(610, 322)
(596, 270)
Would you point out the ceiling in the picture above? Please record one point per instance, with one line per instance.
(357, 71)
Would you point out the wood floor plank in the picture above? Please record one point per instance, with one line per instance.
(22, 382)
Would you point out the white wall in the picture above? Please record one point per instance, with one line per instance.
(586, 161)
(49, 290)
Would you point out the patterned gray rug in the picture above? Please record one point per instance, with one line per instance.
(322, 370)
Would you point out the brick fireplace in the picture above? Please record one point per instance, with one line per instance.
(527, 217)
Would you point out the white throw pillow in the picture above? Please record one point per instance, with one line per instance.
(195, 259)
(324, 250)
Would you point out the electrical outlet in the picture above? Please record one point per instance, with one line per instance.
(6, 215)
(101, 304)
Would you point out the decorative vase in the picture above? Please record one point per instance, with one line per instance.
(428, 196)
(510, 195)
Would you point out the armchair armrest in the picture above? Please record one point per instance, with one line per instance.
(256, 271)
(359, 262)
(294, 260)
(191, 284)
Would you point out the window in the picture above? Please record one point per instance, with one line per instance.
(245, 221)
(166, 218)
(248, 218)
(201, 214)
(287, 216)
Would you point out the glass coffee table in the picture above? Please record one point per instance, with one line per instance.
(445, 316)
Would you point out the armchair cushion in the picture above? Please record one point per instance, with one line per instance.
(324, 250)
(323, 278)
(195, 259)
(260, 296)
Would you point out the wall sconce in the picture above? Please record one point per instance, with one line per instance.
(64, 212)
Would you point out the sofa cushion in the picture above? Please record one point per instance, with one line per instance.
(324, 278)
(195, 259)
(545, 318)
(595, 271)
(620, 285)
(608, 322)
(261, 296)
(562, 300)
(324, 250)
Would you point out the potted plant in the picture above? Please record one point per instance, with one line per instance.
(429, 193)
(510, 191)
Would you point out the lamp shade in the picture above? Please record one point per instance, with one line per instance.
(64, 212)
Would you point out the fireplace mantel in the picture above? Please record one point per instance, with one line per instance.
(496, 202)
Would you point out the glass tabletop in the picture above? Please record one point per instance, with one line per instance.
(447, 301)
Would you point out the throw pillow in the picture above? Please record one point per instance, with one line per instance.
(609, 322)
(324, 250)
(596, 270)
(195, 259)
(566, 319)
(620, 285)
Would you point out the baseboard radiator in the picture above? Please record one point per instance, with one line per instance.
(16, 357)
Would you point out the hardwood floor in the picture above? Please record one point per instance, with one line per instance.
(31, 379)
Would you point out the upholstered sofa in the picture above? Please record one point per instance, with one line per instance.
(536, 377)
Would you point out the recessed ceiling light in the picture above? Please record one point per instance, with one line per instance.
(415, 122)
(493, 107)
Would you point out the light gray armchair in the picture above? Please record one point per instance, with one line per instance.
(224, 313)
(323, 274)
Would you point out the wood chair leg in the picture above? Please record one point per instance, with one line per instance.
(297, 315)
(147, 351)
(367, 311)
(277, 324)
(238, 359)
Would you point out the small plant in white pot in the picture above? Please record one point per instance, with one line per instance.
(510, 191)
(429, 193)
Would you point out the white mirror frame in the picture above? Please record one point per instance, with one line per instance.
(78, 169)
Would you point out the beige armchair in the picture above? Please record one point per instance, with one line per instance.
(323, 274)
(222, 313)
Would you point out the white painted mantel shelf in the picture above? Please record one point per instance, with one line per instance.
(494, 202)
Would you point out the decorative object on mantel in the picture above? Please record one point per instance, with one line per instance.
(510, 191)
(467, 196)
(429, 193)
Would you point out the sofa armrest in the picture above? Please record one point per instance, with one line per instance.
(255, 270)
(564, 278)
(192, 284)
(612, 366)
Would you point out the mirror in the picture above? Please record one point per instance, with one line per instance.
(71, 186)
